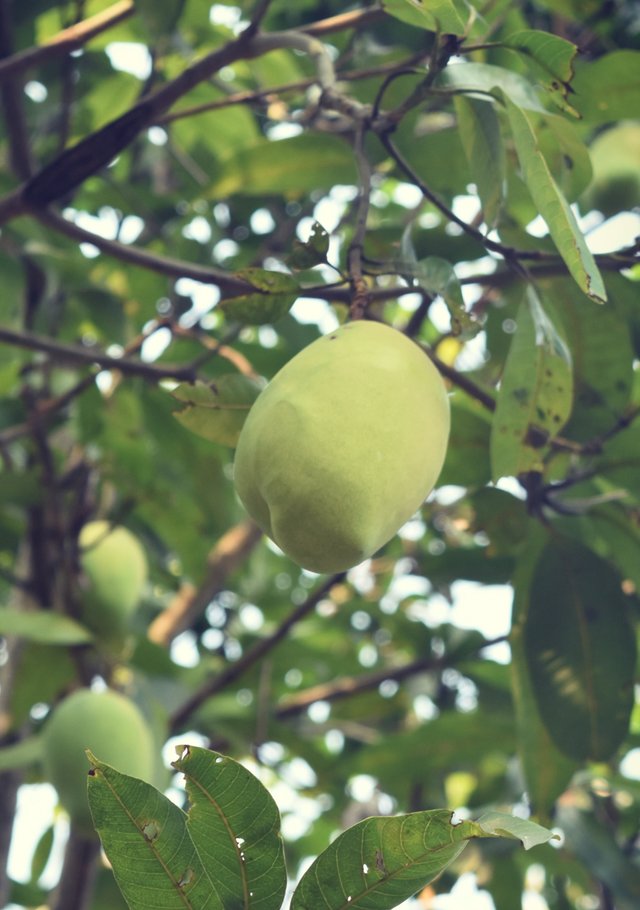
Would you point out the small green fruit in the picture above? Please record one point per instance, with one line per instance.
(112, 727)
(115, 566)
(343, 445)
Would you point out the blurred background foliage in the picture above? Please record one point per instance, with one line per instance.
(408, 684)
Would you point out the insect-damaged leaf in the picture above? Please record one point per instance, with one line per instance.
(235, 826)
(536, 393)
(217, 410)
(276, 292)
(387, 859)
(145, 838)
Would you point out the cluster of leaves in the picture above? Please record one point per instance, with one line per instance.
(186, 190)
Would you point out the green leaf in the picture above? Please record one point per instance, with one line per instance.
(235, 825)
(603, 371)
(620, 462)
(552, 205)
(217, 409)
(535, 395)
(546, 769)
(437, 276)
(550, 59)
(480, 134)
(485, 78)
(448, 16)
(499, 824)
(580, 649)
(380, 862)
(41, 854)
(276, 294)
(608, 88)
(146, 840)
(43, 626)
(293, 166)
(311, 252)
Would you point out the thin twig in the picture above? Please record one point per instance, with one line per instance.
(253, 655)
(190, 602)
(67, 40)
(63, 352)
(352, 685)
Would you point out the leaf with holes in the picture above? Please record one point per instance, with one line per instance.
(550, 59)
(235, 826)
(276, 292)
(382, 861)
(580, 648)
(311, 252)
(218, 409)
(536, 393)
(146, 840)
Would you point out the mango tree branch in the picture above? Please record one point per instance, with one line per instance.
(63, 352)
(67, 40)
(251, 657)
(190, 602)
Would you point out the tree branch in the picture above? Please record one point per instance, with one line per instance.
(63, 352)
(352, 685)
(190, 602)
(253, 655)
(69, 39)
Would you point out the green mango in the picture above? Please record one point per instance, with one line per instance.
(114, 566)
(343, 445)
(109, 724)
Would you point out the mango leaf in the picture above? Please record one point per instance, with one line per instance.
(499, 824)
(235, 825)
(146, 840)
(296, 165)
(596, 846)
(448, 16)
(550, 59)
(218, 409)
(276, 294)
(480, 134)
(41, 854)
(535, 395)
(603, 373)
(620, 462)
(608, 88)
(313, 251)
(580, 649)
(43, 626)
(437, 276)
(382, 861)
(487, 79)
(612, 533)
(547, 771)
(552, 205)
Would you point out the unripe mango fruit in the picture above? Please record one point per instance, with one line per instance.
(115, 566)
(343, 445)
(109, 724)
